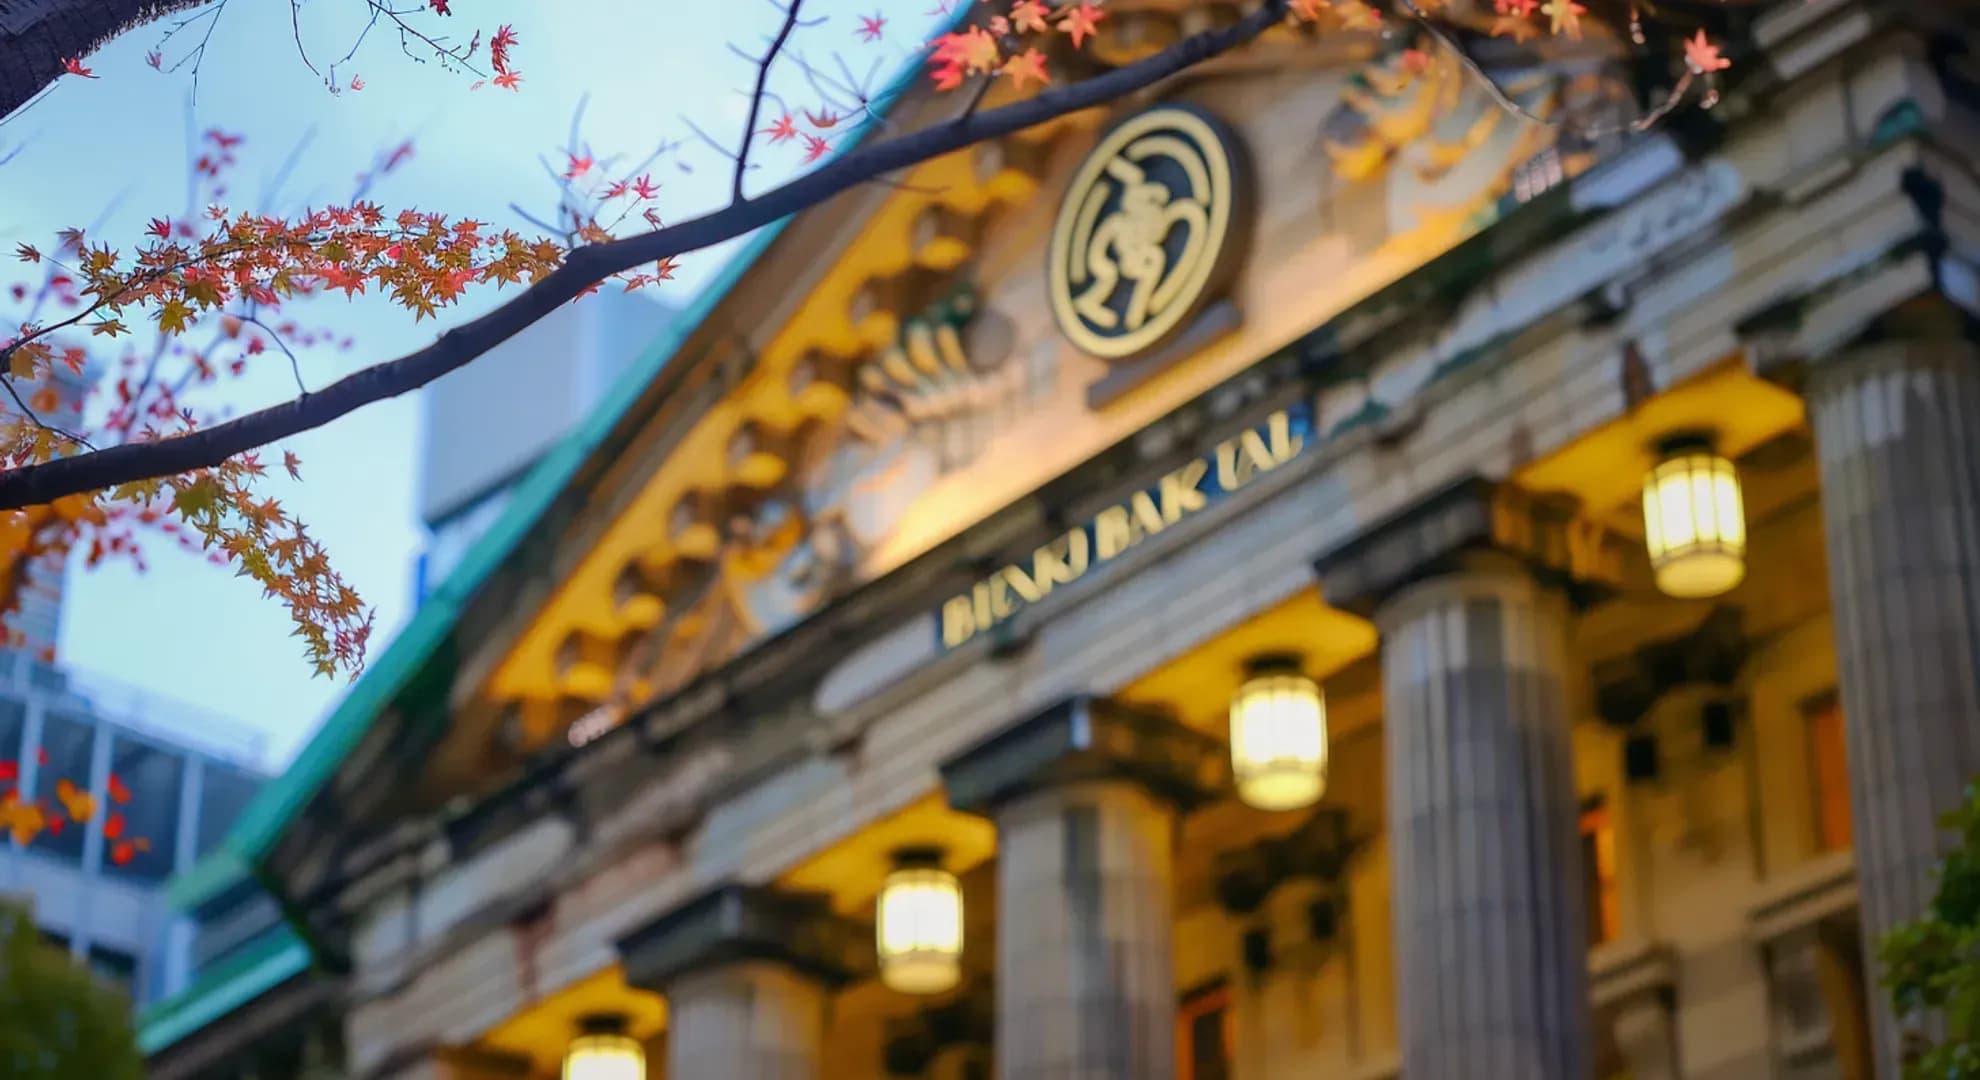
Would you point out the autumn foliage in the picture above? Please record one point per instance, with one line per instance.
(147, 322)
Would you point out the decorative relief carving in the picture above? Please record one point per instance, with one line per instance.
(829, 496)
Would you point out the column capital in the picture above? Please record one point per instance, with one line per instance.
(1448, 529)
(736, 923)
(1088, 738)
(1892, 354)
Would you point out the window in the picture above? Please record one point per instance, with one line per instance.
(66, 742)
(1203, 1034)
(1828, 772)
(1598, 872)
(141, 810)
(226, 793)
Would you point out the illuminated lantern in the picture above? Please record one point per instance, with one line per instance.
(604, 1050)
(1693, 520)
(920, 930)
(1279, 736)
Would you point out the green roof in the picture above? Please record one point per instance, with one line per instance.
(257, 967)
(423, 639)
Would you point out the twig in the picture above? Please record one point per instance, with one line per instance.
(756, 98)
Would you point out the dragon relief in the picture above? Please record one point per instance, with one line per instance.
(924, 407)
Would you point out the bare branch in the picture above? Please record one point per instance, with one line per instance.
(756, 98)
(587, 265)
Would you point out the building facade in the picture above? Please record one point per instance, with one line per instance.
(125, 791)
(1299, 574)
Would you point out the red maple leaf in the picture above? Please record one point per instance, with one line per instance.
(871, 27)
(439, 7)
(155, 58)
(784, 129)
(508, 80)
(644, 187)
(160, 228)
(815, 148)
(119, 793)
(292, 463)
(9, 771)
(1079, 23)
(823, 121)
(1701, 55)
(73, 66)
(578, 166)
(1028, 66)
(357, 82)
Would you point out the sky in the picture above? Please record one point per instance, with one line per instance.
(111, 152)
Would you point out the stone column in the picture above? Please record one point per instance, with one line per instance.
(748, 975)
(1897, 428)
(757, 1019)
(1491, 939)
(1085, 797)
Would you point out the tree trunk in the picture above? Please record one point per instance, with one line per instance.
(36, 36)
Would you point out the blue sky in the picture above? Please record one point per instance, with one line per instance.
(189, 631)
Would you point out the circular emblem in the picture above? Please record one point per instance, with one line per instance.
(1145, 236)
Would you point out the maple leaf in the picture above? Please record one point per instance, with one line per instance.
(645, 188)
(823, 121)
(73, 66)
(357, 82)
(119, 792)
(161, 228)
(292, 463)
(156, 59)
(1027, 67)
(785, 128)
(1415, 61)
(815, 148)
(1079, 22)
(439, 7)
(27, 253)
(1566, 16)
(509, 80)
(578, 166)
(663, 270)
(1029, 16)
(1702, 56)
(871, 27)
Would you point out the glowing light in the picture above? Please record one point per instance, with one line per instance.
(1279, 737)
(920, 931)
(1694, 522)
(604, 1051)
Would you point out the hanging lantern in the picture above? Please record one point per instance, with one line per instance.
(604, 1050)
(1279, 736)
(920, 931)
(1693, 520)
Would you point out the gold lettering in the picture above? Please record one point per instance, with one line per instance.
(1285, 445)
(1180, 493)
(1019, 583)
(958, 621)
(980, 600)
(1147, 517)
(1001, 607)
(1060, 562)
(1113, 532)
(1227, 465)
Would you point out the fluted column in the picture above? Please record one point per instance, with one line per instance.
(756, 1020)
(1897, 428)
(1468, 590)
(1492, 939)
(748, 973)
(1084, 797)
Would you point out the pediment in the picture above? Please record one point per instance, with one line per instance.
(921, 383)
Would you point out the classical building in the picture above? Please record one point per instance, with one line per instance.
(1300, 573)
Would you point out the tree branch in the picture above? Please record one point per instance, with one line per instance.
(756, 96)
(587, 265)
(31, 59)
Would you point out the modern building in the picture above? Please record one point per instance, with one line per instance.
(125, 791)
(1300, 573)
(488, 423)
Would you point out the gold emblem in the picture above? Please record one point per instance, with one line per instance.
(1144, 237)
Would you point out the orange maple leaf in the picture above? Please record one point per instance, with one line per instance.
(1027, 67)
(1080, 22)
